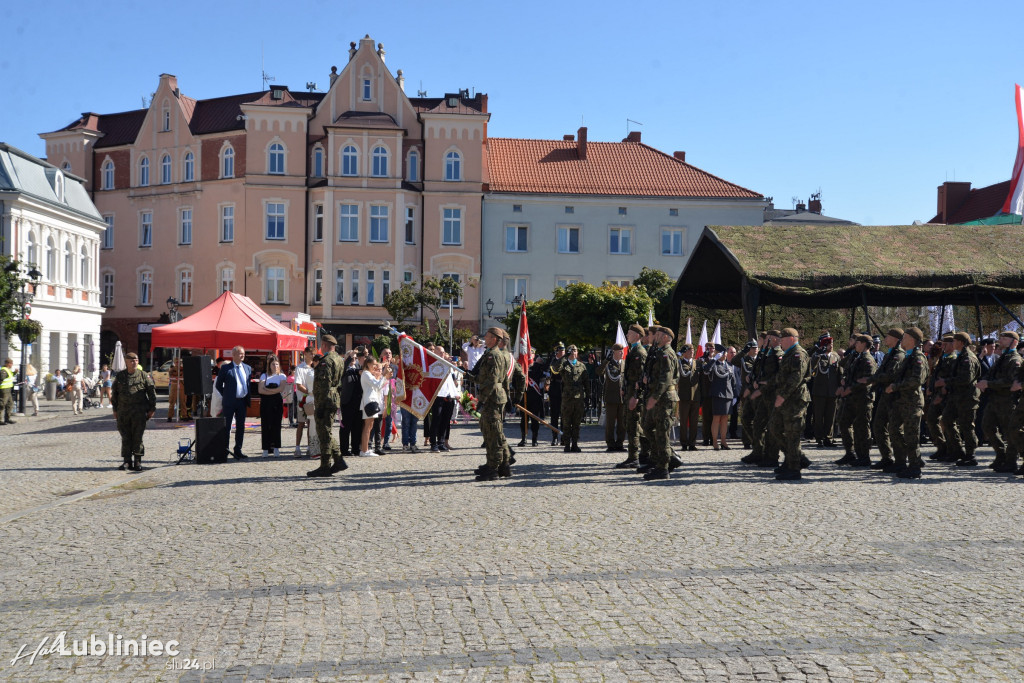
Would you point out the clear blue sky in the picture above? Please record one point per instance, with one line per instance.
(875, 103)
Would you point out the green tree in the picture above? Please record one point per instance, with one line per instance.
(660, 288)
(401, 304)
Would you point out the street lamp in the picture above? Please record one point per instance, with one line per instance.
(24, 300)
(490, 307)
(173, 316)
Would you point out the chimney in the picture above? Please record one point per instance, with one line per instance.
(334, 74)
(569, 138)
(401, 80)
(633, 136)
(814, 205)
(679, 155)
(351, 50)
(380, 51)
(952, 196)
(801, 207)
(581, 146)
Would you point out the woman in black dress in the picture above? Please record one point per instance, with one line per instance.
(271, 406)
(722, 379)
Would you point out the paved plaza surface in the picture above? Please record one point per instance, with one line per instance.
(403, 567)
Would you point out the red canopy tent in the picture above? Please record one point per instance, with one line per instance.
(231, 320)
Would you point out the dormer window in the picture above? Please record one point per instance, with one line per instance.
(58, 186)
(367, 90)
(167, 118)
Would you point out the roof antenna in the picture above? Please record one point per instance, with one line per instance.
(421, 92)
(263, 72)
(629, 121)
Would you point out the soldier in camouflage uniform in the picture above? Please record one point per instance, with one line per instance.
(825, 378)
(1016, 431)
(750, 406)
(962, 402)
(746, 361)
(855, 418)
(880, 380)
(765, 440)
(998, 383)
(662, 401)
(789, 407)
(134, 399)
(632, 393)
(908, 406)
(491, 371)
(326, 401)
(936, 397)
(575, 388)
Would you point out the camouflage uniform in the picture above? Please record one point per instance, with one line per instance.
(1015, 435)
(326, 401)
(787, 420)
(746, 365)
(491, 371)
(134, 398)
(575, 386)
(855, 418)
(1000, 404)
(907, 409)
(936, 403)
(662, 382)
(750, 408)
(632, 375)
(880, 380)
(765, 439)
(961, 406)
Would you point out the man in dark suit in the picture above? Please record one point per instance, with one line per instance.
(233, 385)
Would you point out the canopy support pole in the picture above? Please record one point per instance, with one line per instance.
(1012, 314)
(750, 296)
(853, 319)
(977, 313)
(864, 303)
(762, 316)
(942, 319)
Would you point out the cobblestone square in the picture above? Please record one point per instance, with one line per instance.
(405, 568)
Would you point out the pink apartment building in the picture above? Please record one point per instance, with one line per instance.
(316, 202)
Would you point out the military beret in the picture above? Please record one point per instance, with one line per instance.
(638, 329)
(896, 333)
(773, 333)
(948, 337)
(329, 339)
(617, 346)
(915, 333)
(504, 335)
(962, 337)
(1010, 333)
(670, 333)
(863, 339)
(559, 345)
(132, 355)
(572, 347)
(789, 332)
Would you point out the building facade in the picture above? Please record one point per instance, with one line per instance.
(303, 201)
(570, 210)
(47, 220)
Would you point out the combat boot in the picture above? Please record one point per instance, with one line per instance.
(319, 472)
(847, 459)
(913, 472)
(788, 475)
(627, 464)
(768, 462)
(674, 462)
(883, 463)
(971, 462)
(575, 448)
(894, 467)
(655, 475)
(504, 471)
(137, 464)
(339, 465)
(1006, 467)
(489, 474)
(522, 442)
(125, 465)
(939, 454)
(805, 462)
(750, 459)
(534, 441)
(566, 448)
(644, 467)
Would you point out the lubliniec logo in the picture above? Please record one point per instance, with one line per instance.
(114, 645)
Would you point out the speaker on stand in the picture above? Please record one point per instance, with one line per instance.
(198, 375)
(211, 440)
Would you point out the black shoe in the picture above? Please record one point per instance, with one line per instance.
(1020, 470)
(319, 472)
(861, 462)
(137, 466)
(505, 471)
(893, 468)
(478, 470)
(644, 467)
(847, 459)
(610, 448)
(750, 459)
(937, 455)
(512, 459)
(239, 456)
(487, 475)
(674, 462)
(805, 462)
(627, 464)
(971, 462)
(655, 475)
(828, 443)
(882, 464)
(338, 466)
(788, 475)
(575, 448)
(948, 457)
(11, 422)
(511, 453)
(554, 441)
(567, 448)
(534, 442)
(767, 462)
(522, 442)
(124, 465)
(909, 473)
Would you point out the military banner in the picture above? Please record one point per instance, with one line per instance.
(420, 376)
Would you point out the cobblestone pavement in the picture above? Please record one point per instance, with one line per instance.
(404, 568)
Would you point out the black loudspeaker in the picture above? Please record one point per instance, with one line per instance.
(198, 375)
(211, 440)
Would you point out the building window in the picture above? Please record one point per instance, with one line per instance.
(570, 209)
(348, 223)
(380, 162)
(69, 264)
(144, 172)
(318, 285)
(227, 223)
(563, 282)
(185, 234)
(108, 290)
(517, 208)
(167, 118)
(568, 240)
(618, 282)
(275, 221)
(84, 265)
(339, 286)
(165, 169)
(371, 288)
(185, 287)
(671, 242)
(355, 287)
(349, 161)
(318, 222)
(407, 277)
(66, 166)
(673, 212)
(146, 288)
(367, 89)
(108, 234)
(515, 237)
(227, 279)
(146, 229)
(453, 166)
(31, 254)
(385, 284)
(189, 167)
(275, 286)
(620, 241)
(514, 285)
(413, 173)
(108, 175)
(456, 302)
(379, 229)
(452, 229)
(622, 211)
(227, 163)
(410, 225)
(51, 260)
(275, 159)
(318, 162)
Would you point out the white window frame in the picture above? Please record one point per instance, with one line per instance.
(349, 161)
(167, 119)
(453, 166)
(275, 158)
(32, 248)
(84, 265)
(562, 281)
(617, 232)
(146, 229)
(51, 259)
(457, 302)
(672, 233)
(108, 234)
(227, 223)
(188, 167)
(227, 161)
(144, 172)
(371, 287)
(568, 239)
(318, 162)
(520, 235)
(367, 90)
(451, 223)
(619, 281)
(348, 221)
(385, 284)
(282, 290)
(413, 166)
(185, 226)
(283, 216)
(108, 288)
(227, 279)
(69, 263)
(339, 286)
(379, 161)
(520, 285)
(353, 288)
(407, 277)
(410, 225)
(318, 222)
(165, 169)
(145, 288)
(318, 286)
(185, 286)
(380, 223)
(108, 174)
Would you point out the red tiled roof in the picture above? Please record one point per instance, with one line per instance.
(466, 105)
(119, 129)
(981, 202)
(611, 168)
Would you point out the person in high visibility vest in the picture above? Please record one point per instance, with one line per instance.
(7, 375)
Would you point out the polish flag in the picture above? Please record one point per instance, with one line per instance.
(689, 334)
(716, 336)
(1015, 200)
(620, 338)
(521, 354)
(699, 351)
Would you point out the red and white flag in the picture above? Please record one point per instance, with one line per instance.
(620, 337)
(420, 376)
(1015, 200)
(521, 353)
(716, 336)
(689, 334)
(699, 351)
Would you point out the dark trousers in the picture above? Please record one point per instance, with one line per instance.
(271, 414)
(234, 411)
(688, 412)
(441, 420)
(706, 410)
(824, 416)
(350, 433)
(556, 410)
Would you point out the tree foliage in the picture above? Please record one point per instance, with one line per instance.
(432, 297)
(660, 287)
